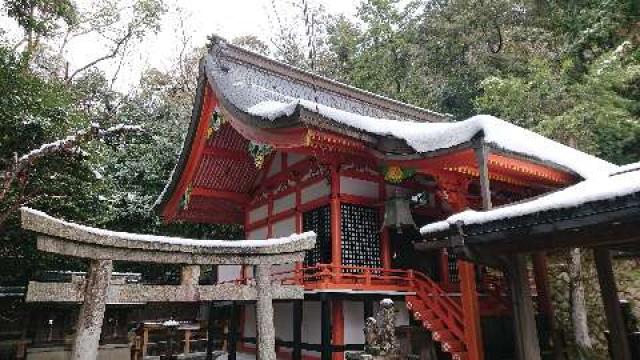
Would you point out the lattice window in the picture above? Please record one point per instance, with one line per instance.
(453, 268)
(319, 221)
(360, 236)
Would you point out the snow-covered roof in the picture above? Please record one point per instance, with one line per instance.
(430, 137)
(604, 187)
(273, 95)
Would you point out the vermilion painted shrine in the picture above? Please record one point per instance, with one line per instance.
(345, 163)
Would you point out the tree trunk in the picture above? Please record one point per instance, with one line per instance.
(578, 306)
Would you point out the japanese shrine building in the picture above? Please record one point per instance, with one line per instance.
(333, 159)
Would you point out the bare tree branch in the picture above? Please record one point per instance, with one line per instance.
(24, 162)
(119, 44)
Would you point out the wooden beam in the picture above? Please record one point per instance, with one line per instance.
(527, 345)
(618, 338)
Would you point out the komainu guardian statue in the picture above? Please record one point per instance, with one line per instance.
(380, 334)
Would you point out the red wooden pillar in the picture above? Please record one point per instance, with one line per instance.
(337, 328)
(385, 240)
(470, 310)
(336, 231)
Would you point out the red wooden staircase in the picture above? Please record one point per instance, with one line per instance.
(437, 310)
(439, 313)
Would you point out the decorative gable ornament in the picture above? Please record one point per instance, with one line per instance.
(395, 174)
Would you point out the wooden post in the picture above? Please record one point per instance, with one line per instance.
(619, 340)
(337, 328)
(482, 159)
(368, 307)
(232, 331)
(544, 302)
(527, 345)
(187, 341)
(470, 310)
(467, 273)
(336, 230)
(385, 248)
(264, 314)
(297, 330)
(210, 332)
(325, 327)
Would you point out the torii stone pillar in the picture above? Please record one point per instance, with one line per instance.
(102, 247)
(89, 325)
(264, 314)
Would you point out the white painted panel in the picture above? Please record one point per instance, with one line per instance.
(229, 272)
(353, 322)
(258, 213)
(284, 227)
(276, 164)
(315, 191)
(311, 324)
(293, 158)
(258, 233)
(359, 187)
(283, 320)
(249, 320)
(286, 202)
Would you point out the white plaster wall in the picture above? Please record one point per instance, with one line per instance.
(276, 164)
(284, 227)
(286, 202)
(229, 272)
(353, 322)
(293, 158)
(258, 213)
(315, 191)
(311, 322)
(258, 233)
(359, 187)
(283, 320)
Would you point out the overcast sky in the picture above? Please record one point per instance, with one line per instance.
(228, 18)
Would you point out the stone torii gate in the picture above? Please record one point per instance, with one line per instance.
(102, 247)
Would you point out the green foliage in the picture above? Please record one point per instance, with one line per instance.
(41, 16)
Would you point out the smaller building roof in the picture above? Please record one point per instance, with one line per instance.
(615, 194)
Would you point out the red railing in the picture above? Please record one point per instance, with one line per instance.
(327, 276)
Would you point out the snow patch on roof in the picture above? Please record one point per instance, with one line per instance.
(593, 189)
(428, 137)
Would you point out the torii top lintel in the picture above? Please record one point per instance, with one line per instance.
(264, 101)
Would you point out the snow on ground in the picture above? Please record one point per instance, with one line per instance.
(428, 137)
(619, 183)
